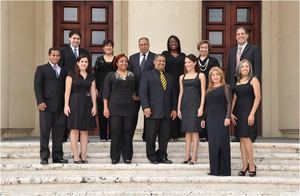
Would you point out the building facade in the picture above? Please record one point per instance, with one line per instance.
(27, 32)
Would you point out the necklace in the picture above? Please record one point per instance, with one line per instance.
(203, 67)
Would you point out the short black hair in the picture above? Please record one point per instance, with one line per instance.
(53, 49)
(75, 32)
(177, 40)
(108, 41)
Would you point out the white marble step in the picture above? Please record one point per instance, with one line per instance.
(140, 146)
(140, 169)
(139, 190)
(263, 158)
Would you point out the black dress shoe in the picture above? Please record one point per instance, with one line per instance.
(114, 162)
(235, 140)
(187, 161)
(60, 161)
(154, 162)
(166, 161)
(127, 161)
(44, 162)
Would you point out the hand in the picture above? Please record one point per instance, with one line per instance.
(233, 119)
(226, 122)
(67, 110)
(42, 107)
(94, 111)
(106, 113)
(203, 124)
(250, 119)
(179, 114)
(147, 112)
(135, 98)
(173, 115)
(200, 112)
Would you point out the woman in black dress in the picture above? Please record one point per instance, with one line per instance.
(191, 105)
(174, 66)
(103, 65)
(119, 106)
(244, 104)
(80, 106)
(217, 120)
(205, 62)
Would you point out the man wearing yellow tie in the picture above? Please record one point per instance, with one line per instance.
(158, 100)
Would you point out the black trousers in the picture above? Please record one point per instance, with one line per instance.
(104, 124)
(175, 129)
(121, 137)
(154, 128)
(136, 120)
(51, 121)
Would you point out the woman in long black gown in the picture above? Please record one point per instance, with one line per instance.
(103, 65)
(217, 120)
(119, 106)
(244, 104)
(175, 67)
(191, 106)
(80, 106)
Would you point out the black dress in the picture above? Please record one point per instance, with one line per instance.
(175, 67)
(101, 69)
(81, 103)
(190, 104)
(206, 65)
(245, 99)
(217, 108)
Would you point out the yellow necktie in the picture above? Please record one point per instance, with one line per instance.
(163, 80)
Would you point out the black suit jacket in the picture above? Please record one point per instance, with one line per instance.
(153, 96)
(252, 53)
(68, 59)
(48, 88)
(134, 66)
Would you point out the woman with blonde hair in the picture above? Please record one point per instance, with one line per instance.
(244, 106)
(217, 120)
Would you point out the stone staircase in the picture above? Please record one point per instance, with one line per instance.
(21, 174)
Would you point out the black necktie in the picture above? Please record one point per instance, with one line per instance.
(143, 63)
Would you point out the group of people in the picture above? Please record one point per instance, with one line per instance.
(179, 94)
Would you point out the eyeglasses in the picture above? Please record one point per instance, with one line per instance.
(122, 62)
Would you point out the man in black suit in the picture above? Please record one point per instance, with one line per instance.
(49, 88)
(158, 100)
(139, 63)
(70, 53)
(243, 50)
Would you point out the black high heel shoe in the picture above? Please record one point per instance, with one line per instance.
(187, 161)
(83, 161)
(243, 173)
(76, 162)
(252, 173)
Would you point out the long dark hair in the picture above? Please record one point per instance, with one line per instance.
(81, 56)
(177, 40)
(193, 58)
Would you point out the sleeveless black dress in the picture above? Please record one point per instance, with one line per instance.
(81, 103)
(245, 99)
(190, 104)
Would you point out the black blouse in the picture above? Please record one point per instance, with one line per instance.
(206, 65)
(100, 70)
(175, 67)
(119, 92)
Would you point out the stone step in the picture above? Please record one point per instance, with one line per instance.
(141, 189)
(135, 169)
(266, 158)
(140, 146)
